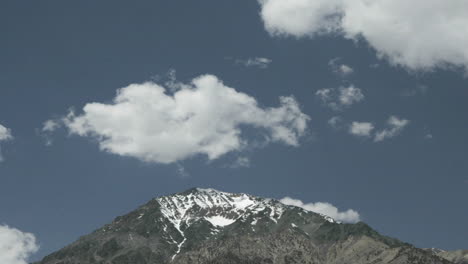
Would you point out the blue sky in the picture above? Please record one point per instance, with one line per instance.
(105, 105)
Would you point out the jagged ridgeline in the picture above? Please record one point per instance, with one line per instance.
(209, 226)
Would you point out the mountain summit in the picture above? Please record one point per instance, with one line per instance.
(210, 226)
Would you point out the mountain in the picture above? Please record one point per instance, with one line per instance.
(214, 227)
(457, 256)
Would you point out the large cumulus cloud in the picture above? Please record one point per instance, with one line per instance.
(205, 117)
(416, 34)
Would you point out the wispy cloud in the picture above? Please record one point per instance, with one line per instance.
(335, 122)
(240, 162)
(394, 127)
(182, 172)
(258, 62)
(48, 127)
(340, 98)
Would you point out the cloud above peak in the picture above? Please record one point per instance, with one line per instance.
(348, 216)
(16, 246)
(204, 117)
(417, 34)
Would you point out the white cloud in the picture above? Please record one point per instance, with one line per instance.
(339, 98)
(300, 17)
(362, 129)
(259, 62)
(350, 95)
(325, 94)
(345, 69)
(48, 127)
(5, 135)
(348, 216)
(417, 34)
(16, 246)
(394, 127)
(203, 117)
(341, 69)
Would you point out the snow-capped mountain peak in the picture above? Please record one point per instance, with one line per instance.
(218, 208)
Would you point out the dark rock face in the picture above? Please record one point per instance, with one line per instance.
(209, 226)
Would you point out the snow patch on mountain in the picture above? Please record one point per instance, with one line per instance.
(219, 220)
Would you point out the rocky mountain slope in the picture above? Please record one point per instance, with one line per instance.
(457, 256)
(209, 226)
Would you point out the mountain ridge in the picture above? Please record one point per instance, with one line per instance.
(457, 256)
(210, 226)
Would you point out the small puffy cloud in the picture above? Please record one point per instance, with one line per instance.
(16, 246)
(345, 69)
(340, 69)
(258, 62)
(5, 135)
(350, 95)
(300, 17)
(348, 216)
(394, 127)
(417, 34)
(361, 129)
(339, 98)
(203, 117)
